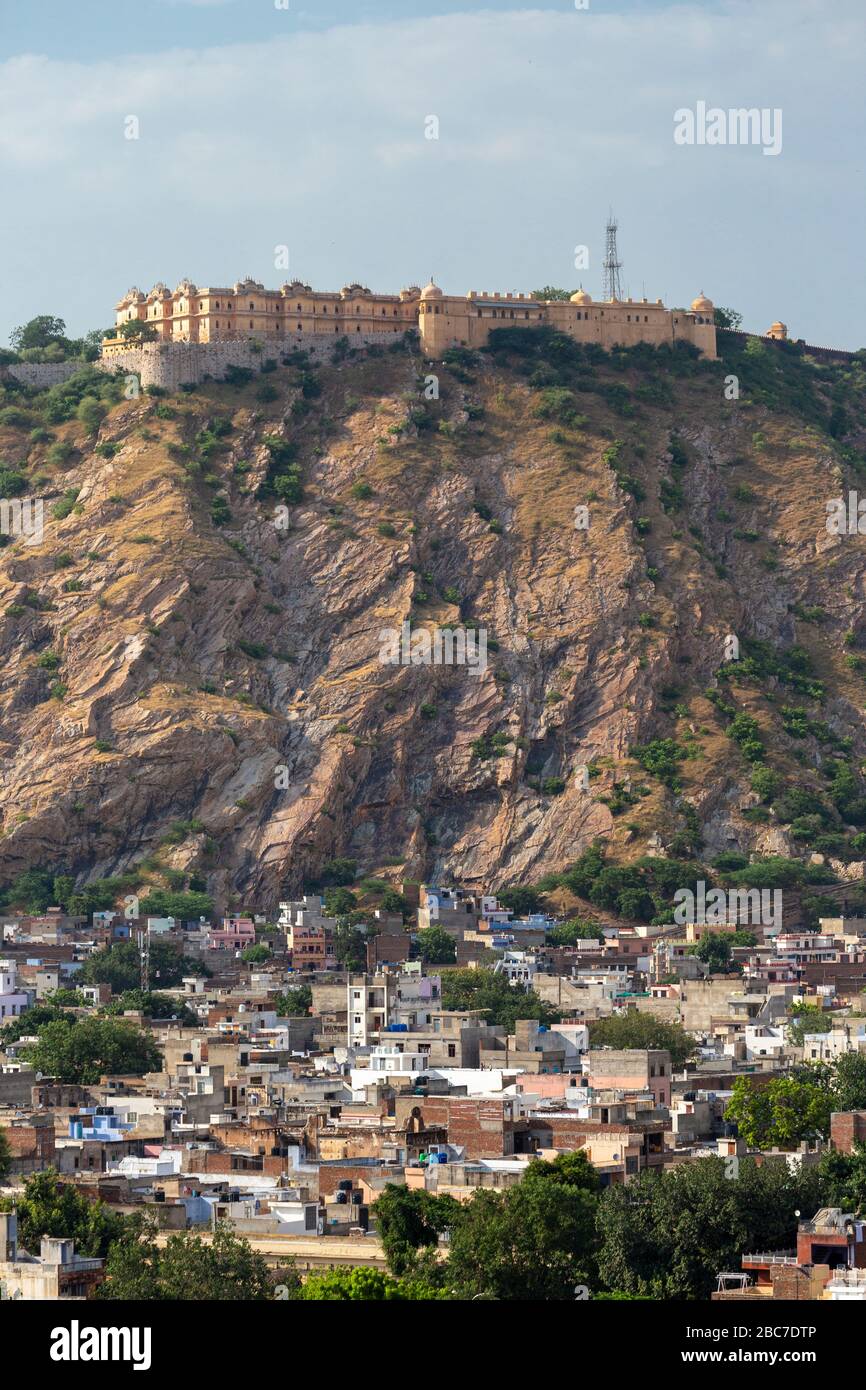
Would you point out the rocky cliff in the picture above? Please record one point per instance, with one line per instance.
(191, 679)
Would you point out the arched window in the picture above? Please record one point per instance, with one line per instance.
(251, 323)
(252, 305)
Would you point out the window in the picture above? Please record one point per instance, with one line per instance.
(252, 305)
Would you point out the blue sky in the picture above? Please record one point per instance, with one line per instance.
(262, 127)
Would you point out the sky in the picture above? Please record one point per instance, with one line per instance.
(264, 124)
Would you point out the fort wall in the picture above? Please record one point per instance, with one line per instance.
(172, 365)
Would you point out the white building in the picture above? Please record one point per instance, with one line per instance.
(518, 967)
(763, 1041)
(13, 1001)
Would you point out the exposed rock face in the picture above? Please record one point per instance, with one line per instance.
(232, 676)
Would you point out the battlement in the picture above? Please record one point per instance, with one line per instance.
(246, 310)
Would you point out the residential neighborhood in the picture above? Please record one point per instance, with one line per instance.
(288, 1078)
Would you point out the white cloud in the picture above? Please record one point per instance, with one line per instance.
(545, 119)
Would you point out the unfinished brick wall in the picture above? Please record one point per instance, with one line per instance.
(847, 1128)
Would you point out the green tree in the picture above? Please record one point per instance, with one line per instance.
(849, 1081)
(392, 901)
(255, 955)
(152, 1006)
(436, 946)
(120, 966)
(337, 873)
(727, 318)
(49, 1207)
(534, 1242)
(66, 999)
(40, 332)
(189, 1269)
(807, 1018)
(85, 1051)
(641, 1030)
(520, 901)
(31, 891)
(185, 906)
(91, 413)
(551, 292)
(714, 950)
(781, 1113)
(409, 1220)
(666, 1234)
(339, 901)
(358, 1284)
(569, 1169)
(137, 331)
(350, 940)
(502, 1002)
(294, 1001)
(5, 1157)
(843, 1177)
(577, 929)
(32, 1019)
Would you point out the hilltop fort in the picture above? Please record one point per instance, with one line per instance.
(295, 315)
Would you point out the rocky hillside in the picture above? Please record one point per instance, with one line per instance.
(191, 689)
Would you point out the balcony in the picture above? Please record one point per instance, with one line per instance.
(772, 1257)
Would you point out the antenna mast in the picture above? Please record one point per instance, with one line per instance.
(612, 263)
(144, 957)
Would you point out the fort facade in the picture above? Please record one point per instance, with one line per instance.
(297, 315)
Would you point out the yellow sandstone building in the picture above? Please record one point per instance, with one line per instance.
(190, 314)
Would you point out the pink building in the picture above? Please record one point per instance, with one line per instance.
(234, 934)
